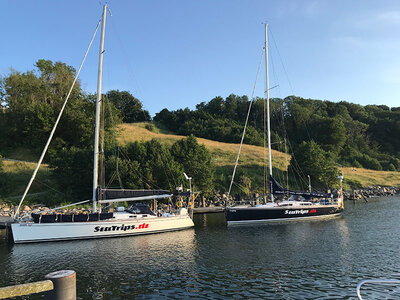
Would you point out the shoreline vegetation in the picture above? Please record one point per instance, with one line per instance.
(360, 184)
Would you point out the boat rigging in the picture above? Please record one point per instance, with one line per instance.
(300, 204)
(135, 220)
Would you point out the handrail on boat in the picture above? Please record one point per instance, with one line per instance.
(384, 281)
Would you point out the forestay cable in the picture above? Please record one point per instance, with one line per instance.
(245, 125)
(55, 126)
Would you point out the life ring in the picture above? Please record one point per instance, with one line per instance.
(178, 204)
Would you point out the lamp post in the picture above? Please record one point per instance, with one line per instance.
(190, 188)
(190, 182)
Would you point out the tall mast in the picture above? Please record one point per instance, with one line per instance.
(98, 111)
(268, 117)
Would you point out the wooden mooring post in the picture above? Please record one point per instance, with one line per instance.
(60, 285)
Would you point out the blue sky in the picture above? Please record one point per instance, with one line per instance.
(176, 54)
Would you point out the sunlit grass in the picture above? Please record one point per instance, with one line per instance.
(17, 176)
(224, 155)
(372, 178)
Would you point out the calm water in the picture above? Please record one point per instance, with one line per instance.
(303, 260)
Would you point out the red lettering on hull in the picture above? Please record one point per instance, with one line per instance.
(143, 226)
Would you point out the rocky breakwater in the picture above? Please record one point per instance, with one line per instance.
(7, 212)
(369, 192)
(217, 200)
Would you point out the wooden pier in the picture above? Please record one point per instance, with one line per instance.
(207, 210)
(5, 222)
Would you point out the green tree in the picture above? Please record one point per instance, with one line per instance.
(319, 164)
(73, 169)
(196, 162)
(330, 133)
(154, 166)
(130, 107)
(32, 101)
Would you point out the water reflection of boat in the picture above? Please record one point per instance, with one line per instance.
(300, 205)
(119, 255)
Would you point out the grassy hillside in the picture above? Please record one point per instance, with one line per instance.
(371, 177)
(251, 156)
(18, 173)
(224, 153)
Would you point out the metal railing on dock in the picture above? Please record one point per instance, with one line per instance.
(60, 285)
(380, 281)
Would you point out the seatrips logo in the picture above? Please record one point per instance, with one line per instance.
(120, 227)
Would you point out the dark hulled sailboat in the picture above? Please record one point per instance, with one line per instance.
(298, 205)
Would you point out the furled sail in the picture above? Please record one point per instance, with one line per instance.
(120, 195)
(278, 189)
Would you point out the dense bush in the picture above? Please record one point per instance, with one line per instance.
(138, 165)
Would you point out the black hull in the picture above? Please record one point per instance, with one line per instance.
(270, 214)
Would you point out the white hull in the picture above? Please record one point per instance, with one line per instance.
(34, 232)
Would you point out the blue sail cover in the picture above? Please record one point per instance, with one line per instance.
(277, 189)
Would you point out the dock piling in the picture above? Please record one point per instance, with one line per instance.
(60, 285)
(64, 285)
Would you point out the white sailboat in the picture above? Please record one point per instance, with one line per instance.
(299, 205)
(137, 219)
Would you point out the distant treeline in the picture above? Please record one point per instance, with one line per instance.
(356, 135)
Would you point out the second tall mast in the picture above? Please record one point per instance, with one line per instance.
(268, 111)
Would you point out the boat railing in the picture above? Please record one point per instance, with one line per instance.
(252, 202)
(375, 281)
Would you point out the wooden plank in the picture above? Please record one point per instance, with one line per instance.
(26, 289)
